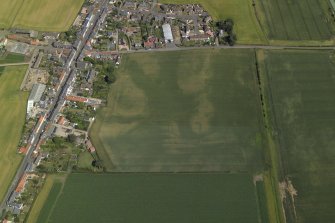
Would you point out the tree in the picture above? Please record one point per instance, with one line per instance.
(71, 138)
(228, 26)
(231, 39)
(220, 24)
(41, 168)
(97, 163)
(110, 78)
(58, 142)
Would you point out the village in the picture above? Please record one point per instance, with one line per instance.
(69, 75)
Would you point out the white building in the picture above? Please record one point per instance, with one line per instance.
(167, 33)
(3, 42)
(35, 96)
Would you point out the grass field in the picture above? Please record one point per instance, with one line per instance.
(247, 28)
(12, 113)
(182, 111)
(301, 90)
(296, 20)
(12, 58)
(139, 198)
(40, 15)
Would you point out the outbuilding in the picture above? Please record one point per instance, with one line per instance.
(167, 33)
(35, 96)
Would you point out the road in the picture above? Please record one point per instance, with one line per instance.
(40, 129)
(266, 47)
(13, 64)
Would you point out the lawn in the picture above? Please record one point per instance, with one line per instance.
(11, 58)
(151, 198)
(301, 90)
(85, 161)
(182, 111)
(42, 15)
(296, 20)
(12, 113)
(247, 28)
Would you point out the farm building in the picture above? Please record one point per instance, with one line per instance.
(167, 33)
(35, 96)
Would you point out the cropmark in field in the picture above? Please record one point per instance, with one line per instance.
(301, 91)
(182, 111)
(296, 20)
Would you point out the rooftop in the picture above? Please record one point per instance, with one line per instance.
(167, 32)
(36, 92)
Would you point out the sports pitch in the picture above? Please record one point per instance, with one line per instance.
(12, 113)
(301, 89)
(151, 198)
(41, 15)
(182, 111)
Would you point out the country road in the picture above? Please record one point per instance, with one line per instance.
(39, 131)
(13, 64)
(266, 47)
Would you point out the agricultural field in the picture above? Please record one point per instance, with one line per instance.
(182, 111)
(39, 15)
(296, 20)
(8, 11)
(49, 193)
(247, 28)
(138, 198)
(12, 113)
(301, 91)
(12, 58)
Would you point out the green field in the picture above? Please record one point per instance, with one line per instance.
(296, 20)
(12, 113)
(151, 198)
(182, 111)
(12, 58)
(247, 28)
(301, 91)
(46, 199)
(42, 15)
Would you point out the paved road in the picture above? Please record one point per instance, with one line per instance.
(38, 133)
(266, 47)
(13, 64)
(55, 107)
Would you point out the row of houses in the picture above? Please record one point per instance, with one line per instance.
(14, 202)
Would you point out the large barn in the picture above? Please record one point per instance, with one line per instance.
(35, 96)
(167, 33)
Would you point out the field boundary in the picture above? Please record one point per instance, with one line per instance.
(271, 180)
